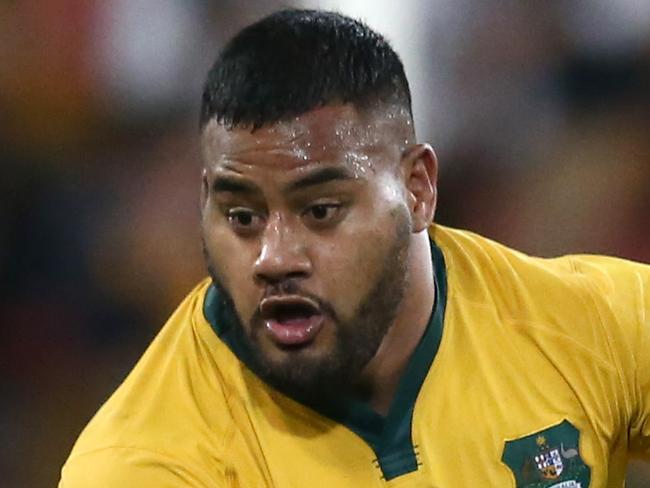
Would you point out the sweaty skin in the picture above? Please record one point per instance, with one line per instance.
(312, 208)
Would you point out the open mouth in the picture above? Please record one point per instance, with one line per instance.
(291, 320)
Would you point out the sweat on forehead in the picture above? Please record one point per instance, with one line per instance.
(340, 131)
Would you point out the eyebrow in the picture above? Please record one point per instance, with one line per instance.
(319, 177)
(233, 185)
(223, 183)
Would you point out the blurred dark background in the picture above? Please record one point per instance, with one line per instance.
(539, 113)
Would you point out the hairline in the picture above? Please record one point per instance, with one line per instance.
(366, 112)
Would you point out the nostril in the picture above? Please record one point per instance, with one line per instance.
(273, 272)
(296, 275)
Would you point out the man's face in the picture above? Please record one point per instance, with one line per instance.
(306, 232)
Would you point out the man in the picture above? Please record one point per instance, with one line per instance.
(346, 340)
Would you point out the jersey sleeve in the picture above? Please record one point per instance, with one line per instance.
(167, 424)
(624, 287)
(125, 467)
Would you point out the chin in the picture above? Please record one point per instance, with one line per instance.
(297, 361)
(304, 371)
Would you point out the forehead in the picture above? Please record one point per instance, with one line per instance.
(333, 133)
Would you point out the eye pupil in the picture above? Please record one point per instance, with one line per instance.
(241, 218)
(245, 218)
(319, 211)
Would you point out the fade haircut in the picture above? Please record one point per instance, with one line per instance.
(296, 60)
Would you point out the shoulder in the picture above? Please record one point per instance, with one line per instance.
(172, 412)
(585, 318)
(485, 266)
(485, 270)
(624, 284)
(596, 301)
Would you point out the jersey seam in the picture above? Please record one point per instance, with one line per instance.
(203, 327)
(592, 296)
(226, 388)
(591, 293)
(509, 319)
(542, 327)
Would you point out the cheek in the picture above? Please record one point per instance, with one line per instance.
(223, 249)
(232, 262)
(351, 265)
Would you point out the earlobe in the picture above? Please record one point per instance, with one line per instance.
(421, 173)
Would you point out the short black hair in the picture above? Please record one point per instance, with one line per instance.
(293, 61)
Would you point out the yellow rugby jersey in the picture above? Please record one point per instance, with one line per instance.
(531, 373)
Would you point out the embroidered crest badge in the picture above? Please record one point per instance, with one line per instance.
(549, 458)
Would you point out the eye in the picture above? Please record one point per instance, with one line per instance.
(322, 213)
(244, 220)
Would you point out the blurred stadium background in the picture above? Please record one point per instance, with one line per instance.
(539, 112)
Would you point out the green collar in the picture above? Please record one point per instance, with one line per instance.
(389, 436)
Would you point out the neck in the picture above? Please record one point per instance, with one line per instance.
(384, 371)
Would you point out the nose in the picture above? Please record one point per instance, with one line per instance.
(283, 254)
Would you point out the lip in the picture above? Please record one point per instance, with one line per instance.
(296, 330)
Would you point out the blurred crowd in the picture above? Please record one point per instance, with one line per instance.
(539, 113)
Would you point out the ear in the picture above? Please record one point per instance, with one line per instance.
(204, 189)
(420, 169)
